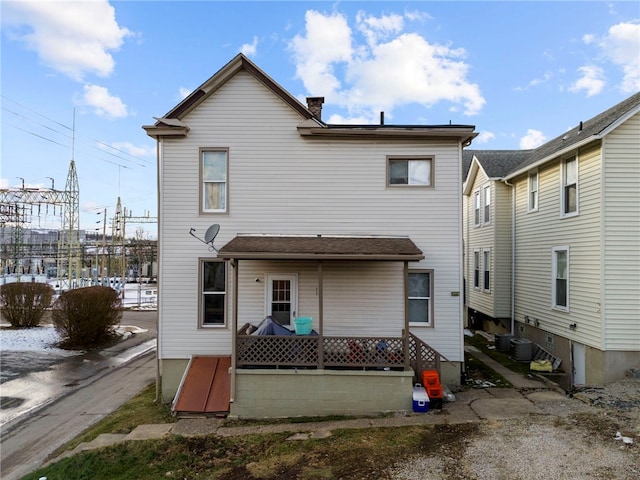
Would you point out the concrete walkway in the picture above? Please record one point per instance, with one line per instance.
(474, 405)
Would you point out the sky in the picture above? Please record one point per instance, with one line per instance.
(79, 79)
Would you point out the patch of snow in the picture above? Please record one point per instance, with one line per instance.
(31, 340)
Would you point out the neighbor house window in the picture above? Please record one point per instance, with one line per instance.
(476, 269)
(476, 208)
(420, 288)
(213, 293)
(533, 191)
(487, 204)
(410, 171)
(570, 186)
(560, 274)
(213, 169)
(486, 270)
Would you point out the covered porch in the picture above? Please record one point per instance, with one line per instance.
(344, 363)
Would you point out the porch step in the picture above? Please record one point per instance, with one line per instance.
(206, 387)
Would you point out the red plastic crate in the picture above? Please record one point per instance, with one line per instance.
(430, 377)
(434, 391)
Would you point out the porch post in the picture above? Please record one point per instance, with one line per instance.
(234, 328)
(320, 317)
(405, 336)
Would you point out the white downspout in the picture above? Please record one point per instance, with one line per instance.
(513, 256)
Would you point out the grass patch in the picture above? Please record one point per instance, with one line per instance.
(359, 453)
(140, 410)
(483, 344)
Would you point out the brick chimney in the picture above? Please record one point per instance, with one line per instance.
(314, 104)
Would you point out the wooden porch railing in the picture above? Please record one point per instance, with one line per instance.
(275, 351)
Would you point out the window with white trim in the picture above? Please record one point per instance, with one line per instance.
(569, 193)
(476, 208)
(213, 293)
(476, 269)
(533, 191)
(420, 293)
(486, 191)
(213, 172)
(415, 171)
(560, 278)
(486, 270)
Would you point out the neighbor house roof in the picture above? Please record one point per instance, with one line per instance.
(320, 247)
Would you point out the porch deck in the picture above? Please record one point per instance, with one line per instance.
(331, 352)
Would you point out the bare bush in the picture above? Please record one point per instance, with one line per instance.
(24, 303)
(85, 317)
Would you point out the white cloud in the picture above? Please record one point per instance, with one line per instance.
(533, 139)
(250, 48)
(184, 93)
(592, 80)
(103, 103)
(485, 137)
(537, 81)
(621, 46)
(74, 38)
(4, 183)
(391, 69)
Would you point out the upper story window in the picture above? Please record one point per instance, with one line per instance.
(487, 204)
(213, 173)
(213, 293)
(533, 191)
(420, 293)
(560, 274)
(415, 171)
(476, 208)
(569, 194)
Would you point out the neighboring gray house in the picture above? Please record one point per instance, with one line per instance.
(355, 226)
(552, 244)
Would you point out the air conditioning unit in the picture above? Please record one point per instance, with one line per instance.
(521, 349)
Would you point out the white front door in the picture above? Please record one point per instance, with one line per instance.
(282, 297)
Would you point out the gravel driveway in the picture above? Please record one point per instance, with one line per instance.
(587, 436)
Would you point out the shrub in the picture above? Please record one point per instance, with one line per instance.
(24, 303)
(85, 317)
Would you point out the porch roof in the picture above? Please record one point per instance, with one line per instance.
(321, 247)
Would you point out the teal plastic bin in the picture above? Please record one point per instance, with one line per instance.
(303, 325)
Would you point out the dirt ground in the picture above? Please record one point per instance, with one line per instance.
(592, 434)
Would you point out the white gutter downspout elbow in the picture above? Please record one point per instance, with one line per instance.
(513, 255)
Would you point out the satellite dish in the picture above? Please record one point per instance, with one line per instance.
(209, 236)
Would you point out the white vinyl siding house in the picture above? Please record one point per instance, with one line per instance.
(280, 180)
(575, 208)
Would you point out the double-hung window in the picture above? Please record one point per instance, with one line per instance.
(420, 293)
(486, 270)
(476, 269)
(486, 191)
(213, 173)
(213, 281)
(533, 191)
(560, 278)
(569, 193)
(414, 171)
(476, 208)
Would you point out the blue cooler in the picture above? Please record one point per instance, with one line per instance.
(420, 399)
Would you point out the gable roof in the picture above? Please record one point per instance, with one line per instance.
(582, 134)
(239, 63)
(506, 164)
(171, 123)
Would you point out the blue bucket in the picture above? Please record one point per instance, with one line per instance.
(303, 325)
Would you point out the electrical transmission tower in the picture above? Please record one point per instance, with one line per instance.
(21, 207)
